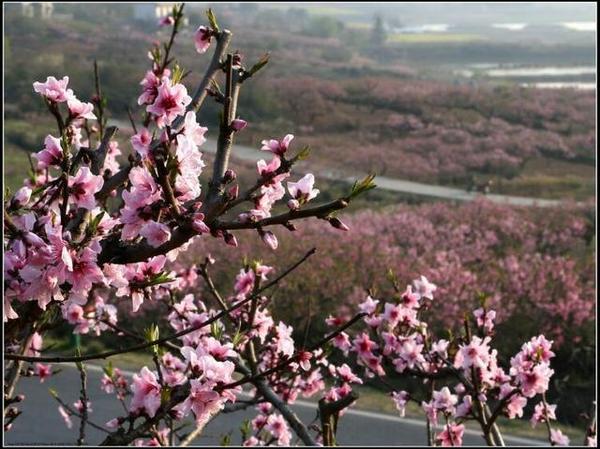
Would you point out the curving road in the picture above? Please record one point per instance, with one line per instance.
(251, 154)
(40, 422)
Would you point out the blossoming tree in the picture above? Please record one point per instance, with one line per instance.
(86, 232)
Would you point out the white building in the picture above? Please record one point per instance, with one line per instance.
(41, 10)
(154, 11)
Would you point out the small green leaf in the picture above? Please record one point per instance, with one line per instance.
(109, 370)
(212, 20)
(302, 154)
(165, 395)
(53, 392)
(360, 187)
(245, 429)
(152, 333)
(216, 330)
(226, 439)
(263, 61)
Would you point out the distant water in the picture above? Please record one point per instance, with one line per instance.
(510, 26)
(565, 85)
(427, 28)
(580, 26)
(541, 71)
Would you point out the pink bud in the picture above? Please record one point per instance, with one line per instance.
(233, 192)
(337, 224)
(166, 21)
(22, 196)
(113, 423)
(198, 224)
(229, 176)
(230, 239)
(238, 124)
(293, 204)
(269, 239)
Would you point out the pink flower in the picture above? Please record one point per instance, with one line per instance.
(203, 401)
(53, 89)
(277, 147)
(558, 438)
(284, 341)
(66, 416)
(43, 371)
(265, 169)
(192, 130)
(424, 288)
(485, 318)
(155, 233)
(409, 298)
(143, 189)
(79, 406)
(539, 414)
(170, 102)
(150, 84)
(277, 425)
(368, 305)
(476, 353)
(166, 21)
(400, 399)
(515, 406)
(202, 38)
(444, 401)
(346, 374)
(113, 423)
(83, 188)
(52, 154)
(363, 345)
(81, 110)
(146, 392)
(244, 282)
(304, 360)
(536, 380)
(141, 142)
(303, 189)
(35, 347)
(465, 407)
(451, 435)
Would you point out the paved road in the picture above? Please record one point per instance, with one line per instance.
(40, 422)
(251, 154)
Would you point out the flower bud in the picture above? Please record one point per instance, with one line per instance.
(229, 176)
(269, 239)
(290, 226)
(237, 60)
(233, 192)
(293, 204)
(337, 224)
(238, 124)
(22, 196)
(230, 238)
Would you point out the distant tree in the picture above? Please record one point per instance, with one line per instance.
(378, 34)
(323, 27)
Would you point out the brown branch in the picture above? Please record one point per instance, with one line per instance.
(223, 39)
(84, 402)
(319, 212)
(225, 139)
